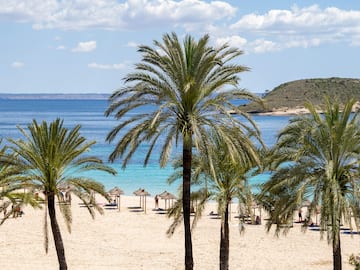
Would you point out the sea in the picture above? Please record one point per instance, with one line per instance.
(89, 113)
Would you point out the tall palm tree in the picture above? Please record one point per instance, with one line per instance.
(50, 156)
(181, 83)
(317, 159)
(226, 174)
(230, 180)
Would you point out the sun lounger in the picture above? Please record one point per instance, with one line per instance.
(111, 206)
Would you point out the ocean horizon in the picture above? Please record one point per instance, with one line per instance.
(89, 113)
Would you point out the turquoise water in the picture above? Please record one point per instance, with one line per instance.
(95, 126)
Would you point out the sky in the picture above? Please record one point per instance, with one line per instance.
(88, 46)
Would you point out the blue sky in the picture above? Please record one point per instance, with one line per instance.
(88, 46)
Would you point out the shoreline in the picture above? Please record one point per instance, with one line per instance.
(285, 111)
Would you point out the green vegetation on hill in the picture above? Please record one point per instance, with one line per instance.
(295, 93)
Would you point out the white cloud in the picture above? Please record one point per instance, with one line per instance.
(233, 41)
(302, 27)
(356, 40)
(132, 44)
(302, 42)
(288, 28)
(86, 46)
(27, 10)
(61, 47)
(298, 20)
(17, 64)
(110, 14)
(107, 66)
(262, 46)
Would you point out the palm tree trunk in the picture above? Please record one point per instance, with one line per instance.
(337, 252)
(224, 241)
(56, 233)
(187, 156)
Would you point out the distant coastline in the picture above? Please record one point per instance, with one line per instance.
(89, 96)
(298, 110)
(78, 96)
(282, 111)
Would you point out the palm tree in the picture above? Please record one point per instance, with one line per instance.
(226, 175)
(48, 157)
(11, 186)
(317, 158)
(230, 180)
(180, 85)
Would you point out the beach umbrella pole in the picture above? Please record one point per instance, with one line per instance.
(119, 203)
(145, 204)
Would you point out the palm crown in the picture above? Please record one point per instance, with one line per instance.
(50, 157)
(183, 87)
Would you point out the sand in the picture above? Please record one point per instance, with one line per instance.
(129, 239)
(299, 110)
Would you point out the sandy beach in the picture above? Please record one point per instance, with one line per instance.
(131, 239)
(299, 110)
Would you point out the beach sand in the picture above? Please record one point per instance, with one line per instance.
(299, 110)
(129, 239)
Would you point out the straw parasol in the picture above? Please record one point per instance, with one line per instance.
(137, 193)
(255, 205)
(65, 191)
(167, 196)
(142, 193)
(308, 204)
(116, 192)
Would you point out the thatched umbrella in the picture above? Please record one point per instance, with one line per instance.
(167, 196)
(65, 192)
(62, 189)
(116, 192)
(137, 193)
(142, 193)
(308, 205)
(255, 205)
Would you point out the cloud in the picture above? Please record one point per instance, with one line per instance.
(86, 46)
(303, 27)
(262, 46)
(280, 29)
(287, 28)
(17, 64)
(356, 40)
(27, 10)
(233, 41)
(110, 14)
(303, 42)
(61, 47)
(132, 44)
(298, 20)
(107, 66)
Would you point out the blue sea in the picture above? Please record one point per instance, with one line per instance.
(95, 126)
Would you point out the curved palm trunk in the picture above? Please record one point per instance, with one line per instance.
(56, 233)
(337, 264)
(224, 241)
(187, 156)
